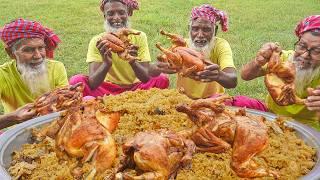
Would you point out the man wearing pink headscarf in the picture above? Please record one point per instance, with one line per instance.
(306, 57)
(108, 73)
(29, 74)
(218, 75)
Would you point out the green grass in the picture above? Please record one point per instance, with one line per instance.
(252, 23)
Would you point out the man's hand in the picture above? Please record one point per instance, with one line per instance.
(133, 50)
(264, 54)
(313, 99)
(163, 67)
(210, 73)
(24, 113)
(104, 51)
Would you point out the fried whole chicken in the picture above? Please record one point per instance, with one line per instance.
(219, 129)
(185, 60)
(155, 155)
(59, 99)
(119, 42)
(85, 132)
(279, 81)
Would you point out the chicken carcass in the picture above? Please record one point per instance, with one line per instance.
(155, 155)
(85, 132)
(82, 135)
(219, 129)
(59, 99)
(279, 81)
(119, 42)
(185, 60)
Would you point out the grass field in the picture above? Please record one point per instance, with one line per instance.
(252, 23)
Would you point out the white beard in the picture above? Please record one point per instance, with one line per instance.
(304, 77)
(108, 28)
(36, 78)
(206, 50)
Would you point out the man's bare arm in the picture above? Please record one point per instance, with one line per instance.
(21, 114)
(228, 78)
(99, 70)
(252, 70)
(141, 70)
(97, 73)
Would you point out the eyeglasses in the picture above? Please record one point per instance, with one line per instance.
(314, 52)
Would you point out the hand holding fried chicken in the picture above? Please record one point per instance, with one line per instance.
(313, 100)
(279, 78)
(181, 58)
(119, 43)
(59, 99)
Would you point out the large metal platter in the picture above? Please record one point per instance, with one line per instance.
(14, 138)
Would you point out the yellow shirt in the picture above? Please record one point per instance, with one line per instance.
(13, 91)
(221, 54)
(297, 112)
(120, 72)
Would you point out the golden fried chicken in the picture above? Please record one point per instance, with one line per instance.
(82, 135)
(180, 57)
(176, 39)
(279, 81)
(119, 42)
(59, 99)
(220, 129)
(155, 155)
(85, 132)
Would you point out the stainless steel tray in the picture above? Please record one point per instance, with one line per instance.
(14, 138)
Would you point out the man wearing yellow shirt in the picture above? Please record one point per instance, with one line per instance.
(221, 73)
(307, 60)
(29, 74)
(108, 73)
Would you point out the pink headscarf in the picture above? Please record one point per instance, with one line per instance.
(308, 24)
(132, 5)
(212, 14)
(21, 28)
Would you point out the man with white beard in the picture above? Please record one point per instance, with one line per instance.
(306, 58)
(221, 73)
(29, 74)
(108, 73)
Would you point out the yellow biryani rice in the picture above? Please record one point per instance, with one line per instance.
(155, 109)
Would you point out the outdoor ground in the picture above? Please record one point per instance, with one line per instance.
(252, 23)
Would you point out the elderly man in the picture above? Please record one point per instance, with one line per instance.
(306, 57)
(221, 73)
(30, 74)
(108, 73)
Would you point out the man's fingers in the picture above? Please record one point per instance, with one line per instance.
(206, 73)
(29, 105)
(168, 70)
(133, 47)
(163, 65)
(314, 108)
(316, 92)
(107, 54)
(99, 44)
(313, 98)
(212, 67)
(206, 80)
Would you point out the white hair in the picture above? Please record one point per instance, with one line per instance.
(36, 78)
(304, 77)
(206, 50)
(108, 28)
